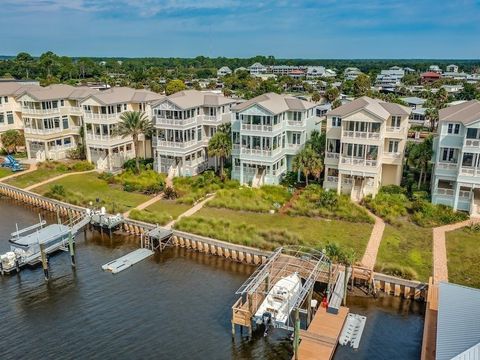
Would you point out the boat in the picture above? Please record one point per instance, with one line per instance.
(275, 309)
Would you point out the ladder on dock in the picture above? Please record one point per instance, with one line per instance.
(353, 330)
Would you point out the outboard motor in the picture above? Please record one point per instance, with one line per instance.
(267, 322)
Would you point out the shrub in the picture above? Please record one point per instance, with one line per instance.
(56, 191)
(393, 189)
(170, 193)
(145, 164)
(290, 179)
(107, 176)
(404, 272)
(387, 205)
(427, 214)
(191, 189)
(148, 181)
(328, 199)
(160, 218)
(82, 166)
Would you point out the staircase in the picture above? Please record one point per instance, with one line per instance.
(259, 178)
(356, 194)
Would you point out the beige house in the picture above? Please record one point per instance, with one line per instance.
(101, 115)
(51, 118)
(365, 146)
(184, 123)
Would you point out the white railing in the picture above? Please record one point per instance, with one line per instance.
(469, 171)
(331, 155)
(395, 155)
(173, 144)
(358, 161)
(212, 118)
(464, 194)
(96, 137)
(259, 152)
(472, 143)
(43, 131)
(447, 166)
(251, 127)
(332, 179)
(76, 110)
(27, 110)
(176, 122)
(394, 129)
(277, 172)
(296, 123)
(361, 134)
(346, 180)
(246, 170)
(236, 148)
(293, 146)
(90, 115)
(445, 192)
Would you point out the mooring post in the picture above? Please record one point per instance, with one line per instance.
(1, 267)
(59, 221)
(71, 248)
(17, 265)
(296, 333)
(44, 261)
(309, 308)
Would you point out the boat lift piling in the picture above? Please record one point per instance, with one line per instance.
(43, 255)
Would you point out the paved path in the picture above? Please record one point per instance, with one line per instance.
(57, 178)
(32, 167)
(190, 211)
(440, 268)
(145, 204)
(370, 255)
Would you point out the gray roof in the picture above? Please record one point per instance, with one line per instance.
(466, 113)
(188, 99)
(275, 103)
(413, 100)
(377, 107)
(458, 323)
(119, 95)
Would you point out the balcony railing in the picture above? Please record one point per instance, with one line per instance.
(464, 194)
(395, 129)
(174, 144)
(332, 179)
(27, 110)
(259, 152)
(447, 166)
(175, 122)
(331, 155)
(358, 161)
(212, 118)
(105, 138)
(361, 134)
(33, 131)
(251, 127)
(469, 171)
(472, 143)
(296, 123)
(293, 146)
(91, 115)
(444, 192)
(394, 155)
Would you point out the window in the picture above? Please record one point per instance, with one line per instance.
(473, 133)
(124, 107)
(119, 108)
(9, 117)
(2, 118)
(449, 155)
(396, 121)
(336, 122)
(65, 122)
(5, 99)
(393, 146)
(453, 129)
(296, 138)
(62, 102)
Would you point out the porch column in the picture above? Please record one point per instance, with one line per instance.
(46, 150)
(241, 172)
(27, 145)
(339, 183)
(455, 198)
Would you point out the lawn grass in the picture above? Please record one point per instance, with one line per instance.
(161, 212)
(264, 199)
(5, 172)
(269, 231)
(463, 252)
(80, 189)
(406, 245)
(48, 170)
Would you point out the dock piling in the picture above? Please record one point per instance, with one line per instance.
(1, 268)
(71, 248)
(44, 261)
(296, 334)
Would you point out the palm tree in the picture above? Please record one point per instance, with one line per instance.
(220, 145)
(308, 162)
(134, 123)
(419, 156)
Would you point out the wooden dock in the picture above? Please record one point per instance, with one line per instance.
(429, 342)
(128, 260)
(320, 340)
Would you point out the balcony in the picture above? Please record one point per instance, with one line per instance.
(361, 134)
(360, 162)
(102, 117)
(469, 171)
(174, 122)
(260, 152)
(297, 124)
(32, 131)
(331, 155)
(395, 129)
(175, 144)
(472, 143)
(236, 149)
(262, 128)
(444, 192)
(77, 110)
(212, 119)
(43, 112)
(106, 138)
(447, 166)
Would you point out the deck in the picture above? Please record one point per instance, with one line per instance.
(429, 342)
(320, 340)
(127, 261)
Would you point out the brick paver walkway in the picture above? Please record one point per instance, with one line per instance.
(440, 268)
(370, 255)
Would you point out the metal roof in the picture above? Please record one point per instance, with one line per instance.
(458, 324)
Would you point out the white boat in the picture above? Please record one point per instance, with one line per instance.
(277, 305)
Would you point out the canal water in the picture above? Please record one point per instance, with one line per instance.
(175, 305)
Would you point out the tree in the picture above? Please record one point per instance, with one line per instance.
(469, 92)
(11, 139)
(220, 145)
(316, 96)
(317, 142)
(419, 156)
(336, 104)
(48, 61)
(134, 123)
(174, 86)
(332, 93)
(361, 85)
(308, 162)
(24, 61)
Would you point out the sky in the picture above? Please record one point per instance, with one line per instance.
(319, 29)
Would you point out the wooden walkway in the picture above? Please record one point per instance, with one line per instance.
(370, 256)
(320, 340)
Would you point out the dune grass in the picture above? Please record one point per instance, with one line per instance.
(463, 252)
(161, 212)
(268, 231)
(408, 248)
(80, 189)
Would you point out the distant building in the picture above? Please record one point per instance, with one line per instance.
(435, 68)
(455, 75)
(413, 101)
(297, 74)
(452, 68)
(430, 77)
(456, 176)
(452, 89)
(257, 69)
(351, 73)
(417, 117)
(390, 79)
(224, 70)
(365, 146)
